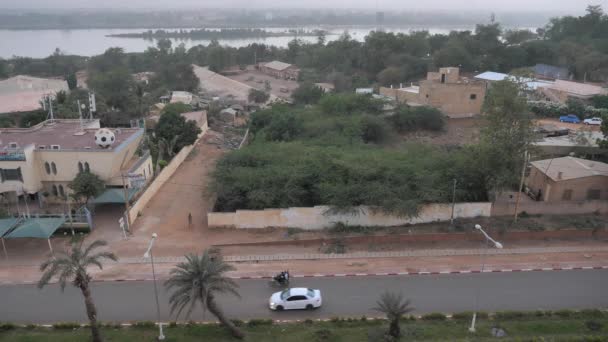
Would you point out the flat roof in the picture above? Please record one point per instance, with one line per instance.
(581, 89)
(411, 89)
(276, 65)
(65, 133)
(565, 168)
(23, 93)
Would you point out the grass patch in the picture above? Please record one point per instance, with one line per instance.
(532, 328)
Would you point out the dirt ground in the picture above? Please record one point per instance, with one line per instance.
(575, 127)
(255, 79)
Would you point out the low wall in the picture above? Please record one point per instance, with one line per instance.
(551, 208)
(318, 217)
(162, 178)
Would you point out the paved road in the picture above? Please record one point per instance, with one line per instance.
(343, 296)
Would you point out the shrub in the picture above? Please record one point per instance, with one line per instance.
(66, 326)
(308, 321)
(564, 313)
(7, 326)
(510, 315)
(144, 324)
(435, 316)
(237, 322)
(31, 327)
(592, 313)
(323, 335)
(258, 322)
(409, 119)
(594, 325)
(462, 316)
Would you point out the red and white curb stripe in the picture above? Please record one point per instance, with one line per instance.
(338, 275)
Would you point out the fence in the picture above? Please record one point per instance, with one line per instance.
(320, 217)
(551, 208)
(162, 178)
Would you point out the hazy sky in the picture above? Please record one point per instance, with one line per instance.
(574, 6)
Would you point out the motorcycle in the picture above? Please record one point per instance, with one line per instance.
(280, 280)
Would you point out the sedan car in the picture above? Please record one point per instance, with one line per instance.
(593, 121)
(570, 118)
(296, 298)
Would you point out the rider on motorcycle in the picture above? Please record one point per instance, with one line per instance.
(282, 278)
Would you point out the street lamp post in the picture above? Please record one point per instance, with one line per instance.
(146, 255)
(483, 262)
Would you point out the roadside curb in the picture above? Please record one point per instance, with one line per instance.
(338, 275)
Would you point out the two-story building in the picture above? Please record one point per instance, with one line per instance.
(42, 160)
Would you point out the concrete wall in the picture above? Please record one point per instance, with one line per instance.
(453, 99)
(399, 95)
(551, 208)
(553, 191)
(162, 178)
(319, 218)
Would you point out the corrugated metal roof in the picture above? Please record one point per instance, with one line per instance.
(581, 89)
(276, 65)
(565, 168)
(492, 76)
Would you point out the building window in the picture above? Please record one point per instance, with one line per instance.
(473, 96)
(55, 193)
(86, 167)
(61, 191)
(594, 194)
(11, 175)
(567, 195)
(80, 168)
(54, 168)
(442, 78)
(47, 168)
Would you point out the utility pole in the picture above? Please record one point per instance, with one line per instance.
(124, 187)
(453, 202)
(521, 185)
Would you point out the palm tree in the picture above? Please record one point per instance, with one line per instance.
(72, 267)
(199, 280)
(394, 306)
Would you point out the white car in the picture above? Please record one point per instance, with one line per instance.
(296, 298)
(593, 121)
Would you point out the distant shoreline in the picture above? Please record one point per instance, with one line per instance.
(207, 34)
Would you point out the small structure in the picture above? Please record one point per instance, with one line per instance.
(24, 93)
(280, 70)
(456, 96)
(490, 76)
(326, 87)
(364, 91)
(181, 97)
(550, 72)
(561, 91)
(568, 179)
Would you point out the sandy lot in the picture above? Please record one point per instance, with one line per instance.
(255, 79)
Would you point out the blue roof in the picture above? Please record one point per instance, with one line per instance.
(7, 225)
(40, 228)
(114, 196)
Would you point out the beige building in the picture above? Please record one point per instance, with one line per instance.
(568, 179)
(280, 70)
(561, 91)
(445, 90)
(42, 160)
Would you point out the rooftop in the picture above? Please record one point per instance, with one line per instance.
(276, 65)
(497, 76)
(565, 168)
(573, 141)
(65, 133)
(581, 89)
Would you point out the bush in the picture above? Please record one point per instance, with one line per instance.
(237, 322)
(7, 326)
(144, 324)
(564, 313)
(435, 316)
(308, 321)
(66, 326)
(258, 322)
(31, 327)
(462, 316)
(594, 325)
(592, 313)
(323, 335)
(173, 324)
(409, 119)
(510, 315)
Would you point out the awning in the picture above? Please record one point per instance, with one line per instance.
(38, 228)
(114, 196)
(7, 224)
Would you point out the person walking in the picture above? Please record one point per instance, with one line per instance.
(190, 220)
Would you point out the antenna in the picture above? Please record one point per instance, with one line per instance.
(80, 115)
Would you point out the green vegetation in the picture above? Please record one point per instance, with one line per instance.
(416, 118)
(394, 306)
(534, 326)
(258, 96)
(72, 267)
(86, 185)
(200, 280)
(202, 34)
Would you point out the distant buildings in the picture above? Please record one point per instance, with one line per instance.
(568, 179)
(44, 159)
(326, 87)
(561, 91)
(181, 97)
(280, 70)
(24, 93)
(445, 90)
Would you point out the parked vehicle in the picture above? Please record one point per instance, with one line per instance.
(570, 118)
(593, 121)
(295, 299)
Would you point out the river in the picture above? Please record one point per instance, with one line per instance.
(41, 43)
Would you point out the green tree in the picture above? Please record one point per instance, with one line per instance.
(307, 93)
(72, 80)
(600, 101)
(198, 281)
(72, 267)
(390, 75)
(86, 185)
(258, 96)
(114, 85)
(172, 124)
(394, 306)
(507, 135)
